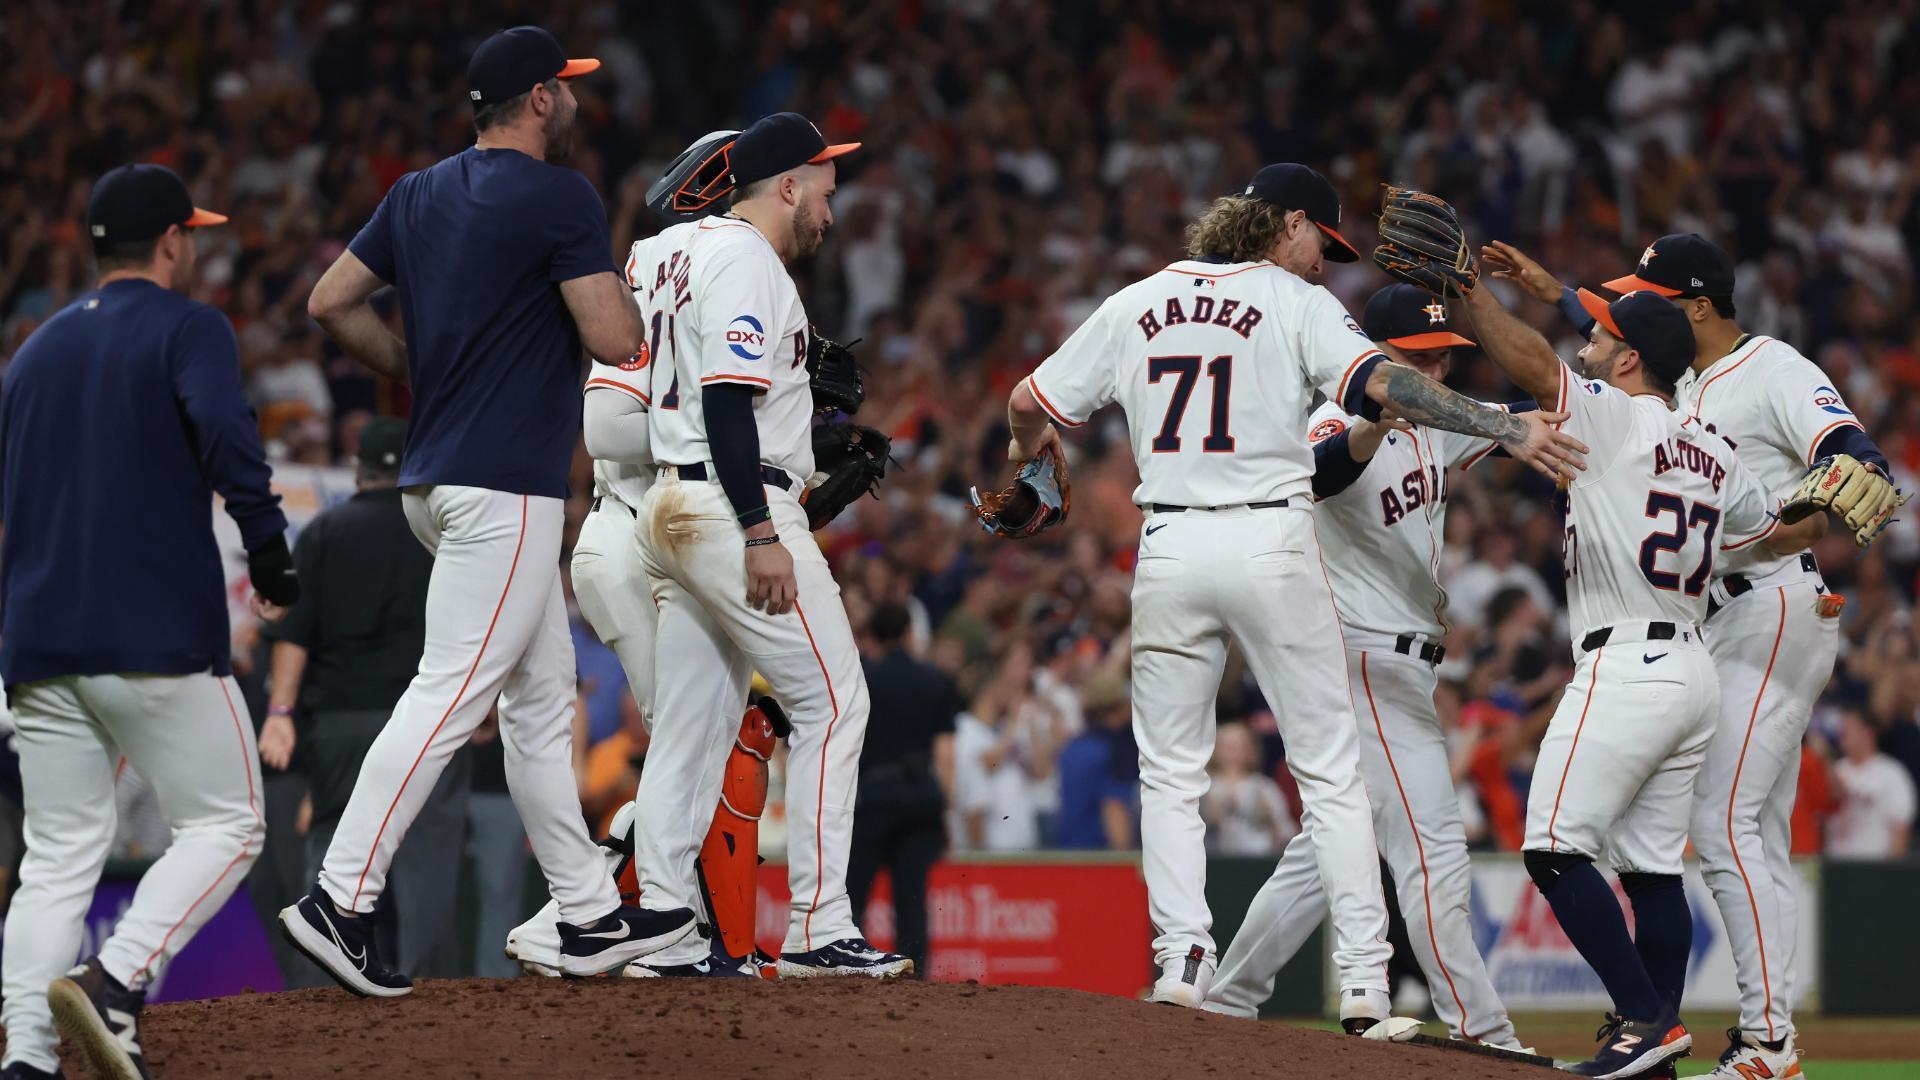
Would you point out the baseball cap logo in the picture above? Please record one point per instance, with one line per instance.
(1647, 256)
(1436, 314)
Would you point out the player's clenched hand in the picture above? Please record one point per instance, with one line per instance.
(770, 586)
(1552, 451)
(276, 742)
(1509, 263)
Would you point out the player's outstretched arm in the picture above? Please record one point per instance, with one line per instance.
(1509, 263)
(1530, 437)
(1518, 348)
(339, 304)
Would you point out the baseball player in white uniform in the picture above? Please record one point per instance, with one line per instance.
(1773, 630)
(1214, 360)
(740, 584)
(1661, 501)
(1382, 504)
(504, 273)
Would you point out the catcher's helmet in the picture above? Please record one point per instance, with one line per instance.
(697, 179)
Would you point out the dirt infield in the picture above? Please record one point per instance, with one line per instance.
(826, 1028)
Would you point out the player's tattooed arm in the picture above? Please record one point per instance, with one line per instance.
(1531, 437)
(1518, 348)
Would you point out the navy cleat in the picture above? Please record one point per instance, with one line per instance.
(716, 965)
(20, 1070)
(848, 956)
(621, 936)
(102, 1017)
(1635, 1047)
(342, 945)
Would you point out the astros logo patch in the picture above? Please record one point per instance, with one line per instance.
(1326, 429)
(639, 359)
(747, 338)
(1436, 314)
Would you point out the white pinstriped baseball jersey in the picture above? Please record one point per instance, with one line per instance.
(1210, 426)
(720, 307)
(1774, 406)
(1383, 534)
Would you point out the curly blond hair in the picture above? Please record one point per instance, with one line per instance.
(1237, 228)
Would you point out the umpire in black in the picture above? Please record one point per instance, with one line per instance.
(341, 659)
(906, 771)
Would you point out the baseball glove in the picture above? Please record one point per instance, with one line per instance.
(1037, 500)
(837, 386)
(1422, 243)
(854, 459)
(1852, 490)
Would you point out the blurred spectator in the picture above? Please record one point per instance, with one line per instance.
(1100, 774)
(1243, 809)
(1877, 801)
(992, 773)
(906, 771)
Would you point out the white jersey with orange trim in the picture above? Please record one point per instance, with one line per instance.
(1774, 406)
(1210, 424)
(1385, 531)
(720, 307)
(1660, 500)
(626, 481)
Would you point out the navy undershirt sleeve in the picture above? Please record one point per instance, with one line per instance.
(1334, 467)
(734, 441)
(1569, 305)
(1855, 442)
(1357, 402)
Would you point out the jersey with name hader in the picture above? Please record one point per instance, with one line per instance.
(1775, 407)
(719, 307)
(1384, 532)
(1661, 501)
(1215, 366)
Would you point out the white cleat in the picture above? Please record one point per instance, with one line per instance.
(1185, 981)
(1368, 1014)
(1745, 1058)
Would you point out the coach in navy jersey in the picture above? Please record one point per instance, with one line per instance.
(119, 420)
(504, 270)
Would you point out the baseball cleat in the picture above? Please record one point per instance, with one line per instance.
(535, 944)
(848, 956)
(1184, 982)
(1368, 1014)
(102, 1018)
(717, 965)
(343, 946)
(1635, 1047)
(1747, 1057)
(623, 935)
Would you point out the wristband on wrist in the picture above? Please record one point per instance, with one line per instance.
(754, 516)
(279, 710)
(763, 540)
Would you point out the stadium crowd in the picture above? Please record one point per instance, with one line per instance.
(1021, 162)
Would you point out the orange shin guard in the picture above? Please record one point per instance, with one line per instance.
(732, 849)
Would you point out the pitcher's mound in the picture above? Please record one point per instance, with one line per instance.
(847, 1029)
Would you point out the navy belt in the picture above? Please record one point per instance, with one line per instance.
(768, 475)
(1741, 585)
(1425, 651)
(1169, 508)
(1659, 631)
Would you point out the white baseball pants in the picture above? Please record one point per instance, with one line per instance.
(611, 587)
(1774, 654)
(1207, 579)
(496, 628)
(188, 736)
(710, 642)
(1416, 816)
(1615, 774)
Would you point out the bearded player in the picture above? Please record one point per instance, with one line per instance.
(1381, 493)
(1213, 360)
(1774, 626)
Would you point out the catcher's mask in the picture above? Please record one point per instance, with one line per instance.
(697, 179)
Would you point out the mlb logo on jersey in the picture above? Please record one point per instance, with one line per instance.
(747, 337)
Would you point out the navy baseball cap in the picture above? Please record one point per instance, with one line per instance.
(1680, 264)
(512, 62)
(1411, 318)
(381, 443)
(773, 144)
(1292, 186)
(139, 202)
(1649, 325)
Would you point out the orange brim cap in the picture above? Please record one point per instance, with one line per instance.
(1352, 253)
(1597, 308)
(204, 217)
(577, 68)
(1631, 283)
(1439, 339)
(832, 152)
